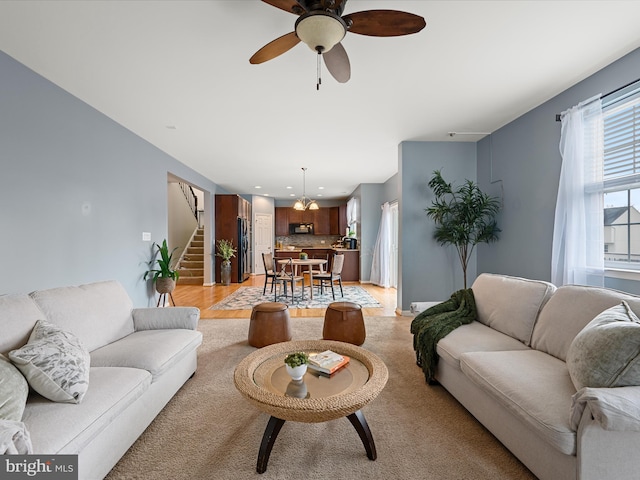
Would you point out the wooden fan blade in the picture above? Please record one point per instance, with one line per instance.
(275, 48)
(384, 23)
(291, 6)
(337, 62)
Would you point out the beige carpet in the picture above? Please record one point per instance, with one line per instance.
(209, 431)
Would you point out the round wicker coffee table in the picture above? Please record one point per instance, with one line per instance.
(261, 379)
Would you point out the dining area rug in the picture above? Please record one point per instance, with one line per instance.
(246, 297)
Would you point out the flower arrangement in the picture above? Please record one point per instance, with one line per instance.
(225, 249)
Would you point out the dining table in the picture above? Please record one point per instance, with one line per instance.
(309, 262)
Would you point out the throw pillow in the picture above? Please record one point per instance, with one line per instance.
(13, 391)
(55, 363)
(606, 352)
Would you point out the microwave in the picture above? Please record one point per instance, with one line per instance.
(297, 228)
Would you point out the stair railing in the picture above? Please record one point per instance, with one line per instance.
(192, 200)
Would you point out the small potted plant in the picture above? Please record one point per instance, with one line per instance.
(296, 364)
(303, 255)
(165, 277)
(226, 252)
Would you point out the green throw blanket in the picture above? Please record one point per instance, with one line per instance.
(437, 322)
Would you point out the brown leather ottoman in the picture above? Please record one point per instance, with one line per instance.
(343, 322)
(269, 324)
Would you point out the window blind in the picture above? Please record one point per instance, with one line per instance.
(622, 141)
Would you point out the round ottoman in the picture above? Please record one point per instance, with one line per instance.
(269, 324)
(343, 322)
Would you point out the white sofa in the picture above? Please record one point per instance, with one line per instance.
(140, 357)
(510, 370)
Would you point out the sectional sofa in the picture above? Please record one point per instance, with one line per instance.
(127, 363)
(552, 373)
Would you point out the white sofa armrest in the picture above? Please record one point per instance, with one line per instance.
(14, 438)
(615, 409)
(165, 318)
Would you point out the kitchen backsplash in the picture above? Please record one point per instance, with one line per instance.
(309, 240)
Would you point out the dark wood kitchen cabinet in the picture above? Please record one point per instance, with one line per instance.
(282, 221)
(326, 220)
(351, 267)
(321, 221)
(233, 220)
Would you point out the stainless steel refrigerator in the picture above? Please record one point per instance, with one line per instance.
(244, 249)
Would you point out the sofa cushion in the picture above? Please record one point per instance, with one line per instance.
(19, 316)
(568, 311)
(97, 313)
(606, 353)
(14, 390)
(153, 350)
(510, 304)
(474, 337)
(55, 363)
(533, 386)
(112, 390)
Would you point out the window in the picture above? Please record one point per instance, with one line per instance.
(622, 178)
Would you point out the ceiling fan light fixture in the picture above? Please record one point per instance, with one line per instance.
(321, 31)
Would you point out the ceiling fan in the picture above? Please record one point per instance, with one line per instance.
(322, 27)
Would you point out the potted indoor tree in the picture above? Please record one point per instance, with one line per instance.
(464, 217)
(225, 251)
(165, 277)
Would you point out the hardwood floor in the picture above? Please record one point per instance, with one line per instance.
(204, 297)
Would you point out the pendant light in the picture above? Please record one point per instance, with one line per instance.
(304, 203)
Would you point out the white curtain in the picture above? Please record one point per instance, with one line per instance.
(352, 211)
(578, 233)
(381, 265)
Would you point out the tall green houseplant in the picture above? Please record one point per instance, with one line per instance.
(165, 269)
(464, 217)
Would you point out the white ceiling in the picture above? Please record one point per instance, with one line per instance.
(177, 73)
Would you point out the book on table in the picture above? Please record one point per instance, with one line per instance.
(327, 362)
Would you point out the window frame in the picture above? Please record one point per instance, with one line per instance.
(628, 96)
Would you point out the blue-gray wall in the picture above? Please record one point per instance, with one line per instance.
(76, 190)
(523, 158)
(428, 271)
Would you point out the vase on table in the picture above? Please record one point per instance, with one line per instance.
(296, 373)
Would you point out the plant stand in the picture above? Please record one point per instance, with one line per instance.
(164, 286)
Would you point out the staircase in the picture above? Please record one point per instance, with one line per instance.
(191, 266)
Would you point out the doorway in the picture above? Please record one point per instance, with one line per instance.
(263, 240)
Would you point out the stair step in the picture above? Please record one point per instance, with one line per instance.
(190, 280)
(197, 243)
(188, 264)
(191, 272)
(193, 258)
(195, 250)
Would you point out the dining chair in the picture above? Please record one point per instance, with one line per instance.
(332, 276)
(318, 268)
(286, 276)
(269, 271)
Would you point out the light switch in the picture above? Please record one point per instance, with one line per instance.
(146, 236)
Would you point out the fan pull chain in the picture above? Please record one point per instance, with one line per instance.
(319, 81)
